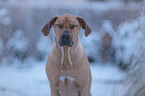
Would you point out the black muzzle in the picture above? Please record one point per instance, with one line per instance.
(65, 39)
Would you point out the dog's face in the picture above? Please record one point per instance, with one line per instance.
(66, 29)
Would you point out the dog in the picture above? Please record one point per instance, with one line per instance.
(67, 66)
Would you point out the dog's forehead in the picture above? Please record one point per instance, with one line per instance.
(67, 19)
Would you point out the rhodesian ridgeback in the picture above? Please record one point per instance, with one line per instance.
(67, 66)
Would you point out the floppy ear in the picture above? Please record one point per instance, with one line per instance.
(84, 26)
(46, 28)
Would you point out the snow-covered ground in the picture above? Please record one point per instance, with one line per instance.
(32, 81)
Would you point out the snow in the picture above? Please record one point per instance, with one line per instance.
(106, 80)
(90, 43)
(45, 46)
(108, 27)
(1, 46)
(28, 80)
(128, 40)
(18, 43)
(4, 19)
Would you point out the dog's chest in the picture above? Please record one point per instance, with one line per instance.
(67, 86)
(68, 78)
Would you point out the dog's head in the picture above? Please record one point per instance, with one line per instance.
(66, 29)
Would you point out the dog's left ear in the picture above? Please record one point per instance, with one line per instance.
(46, 28)
(84, 25)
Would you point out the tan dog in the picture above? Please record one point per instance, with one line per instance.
(67, 66)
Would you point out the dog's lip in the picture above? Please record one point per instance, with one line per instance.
(70, 44)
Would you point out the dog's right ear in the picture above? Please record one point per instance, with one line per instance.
(84, 25)
(46, 28)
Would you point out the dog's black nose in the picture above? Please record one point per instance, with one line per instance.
(65, 37)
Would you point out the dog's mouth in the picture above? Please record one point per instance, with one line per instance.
(65, 39)
(65, 42)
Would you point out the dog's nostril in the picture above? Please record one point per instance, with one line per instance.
(63, 38)
(67, 38)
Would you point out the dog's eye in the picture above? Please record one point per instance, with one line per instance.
(72, 26)
(60, 26)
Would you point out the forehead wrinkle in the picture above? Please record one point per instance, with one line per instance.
(71, 20)
(67, 20)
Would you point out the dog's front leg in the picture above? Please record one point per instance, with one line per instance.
(55, 91)
(79, 93)
(84, 92)
(58, 94)
(77, 86)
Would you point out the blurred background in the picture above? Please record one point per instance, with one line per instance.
(115, 48)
